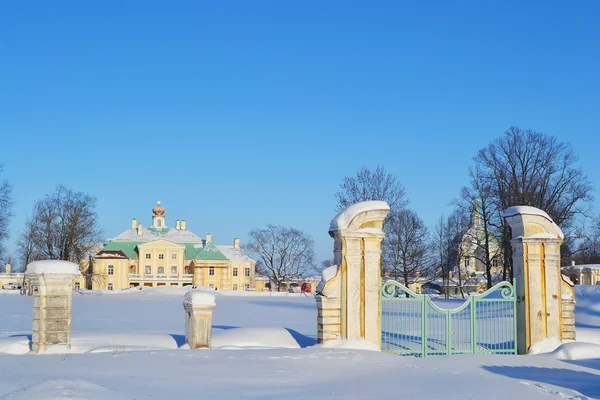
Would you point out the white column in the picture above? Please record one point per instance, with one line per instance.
(536, 267)
(354, 288)
(51, 285)
(198, 306)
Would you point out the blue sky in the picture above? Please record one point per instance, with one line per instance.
(240, 114)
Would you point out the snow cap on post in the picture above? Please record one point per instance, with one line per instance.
(527, 221)
(363, 215)
(199, 297)
(52, 267)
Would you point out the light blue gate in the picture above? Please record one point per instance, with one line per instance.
(412, 325)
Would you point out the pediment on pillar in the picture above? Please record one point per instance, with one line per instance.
(366, 217)
(531, 222)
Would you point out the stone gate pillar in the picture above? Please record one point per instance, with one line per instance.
(536, 241)
(51, 283)
(350, 306)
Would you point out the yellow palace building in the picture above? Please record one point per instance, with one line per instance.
(160, 256)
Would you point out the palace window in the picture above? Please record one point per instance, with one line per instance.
(148, 256)
(148, 270)
(111, 269)
(211, 271)
(173, 269)
(161, 256)
(161, 271)
(235, 271)
(235, 286)
(76, 285)
(247, 286)
(173, 256)
(110, 286)
(212, 286)
(246, 272)
(467, 261)
(159, 223)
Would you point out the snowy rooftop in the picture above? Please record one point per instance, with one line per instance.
(234, 254)
(581, 266)
(150, 234)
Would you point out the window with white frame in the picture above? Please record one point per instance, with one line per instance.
(173, 269)
(111, 269)
(246, 272)
(148, 270)
(160, 271)
(247, 286)
(161, 256)
(235, 271)
(211, 271)
(235, 286)
(77, 285)
(110, 286)
(148, 256)
(173, 256)
(467, 261)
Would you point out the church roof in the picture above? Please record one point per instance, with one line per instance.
(151, 234)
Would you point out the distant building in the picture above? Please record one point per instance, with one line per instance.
(303, 284)
(159, 256)
(470, 246)
(584, 274)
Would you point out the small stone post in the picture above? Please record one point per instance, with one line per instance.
(198, 306)
(352, 293)
(540, 287)
(51, 283)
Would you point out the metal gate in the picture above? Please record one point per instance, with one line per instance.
(412, 325)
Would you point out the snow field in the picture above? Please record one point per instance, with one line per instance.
(109, 327)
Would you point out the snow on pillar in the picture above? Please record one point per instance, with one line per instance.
(198, 306)
(353, 291)
(539, 283)
(51, 285)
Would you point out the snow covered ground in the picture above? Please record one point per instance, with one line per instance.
(109, 329)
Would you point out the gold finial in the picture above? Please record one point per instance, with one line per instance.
(158, 210)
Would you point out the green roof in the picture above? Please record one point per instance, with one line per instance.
(191, 251)
(210, 252)
(126, 247)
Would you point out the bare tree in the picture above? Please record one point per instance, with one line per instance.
(371, 185)
(531, 168)
(588, 250)
(284, 253)
(405, 248)
(6, 203)
(326, 264)
(440, 244)
(457, 226)
(484, 232)
(63, 226)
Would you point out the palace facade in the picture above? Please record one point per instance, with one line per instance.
(163, 256)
